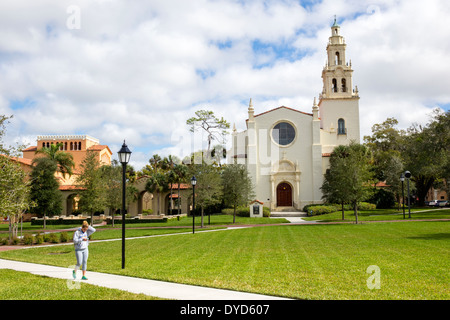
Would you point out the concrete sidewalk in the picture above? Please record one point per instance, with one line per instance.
(161, 289)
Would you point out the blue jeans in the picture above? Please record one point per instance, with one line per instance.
(82, 257)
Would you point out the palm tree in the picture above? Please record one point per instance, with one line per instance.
(157, 184)
(181, 172)
(169, 163)
(155, 163)
(63, 160)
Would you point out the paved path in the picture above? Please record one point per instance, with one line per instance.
(292, 217)
(161, 289)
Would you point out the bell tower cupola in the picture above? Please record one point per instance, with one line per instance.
(339, 101)
(337, 74)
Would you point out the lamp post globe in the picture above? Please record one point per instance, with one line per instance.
(124, 157)
(124, 154)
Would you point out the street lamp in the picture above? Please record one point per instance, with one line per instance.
(408, 176)
(124, 158)
(402, 179)
(193, 182)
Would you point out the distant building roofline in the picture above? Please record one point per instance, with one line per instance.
(67, 137)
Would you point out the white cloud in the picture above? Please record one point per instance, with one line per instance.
(137, 70)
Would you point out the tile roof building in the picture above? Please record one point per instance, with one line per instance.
(77, 146)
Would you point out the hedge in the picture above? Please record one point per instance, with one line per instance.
(60, 221)
(134, 221)
(318, 209)
(315, 210)
(244, 211)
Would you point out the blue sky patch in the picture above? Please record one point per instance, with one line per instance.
(275, 52)
(205, 73)
(223, 45)
(21, 104)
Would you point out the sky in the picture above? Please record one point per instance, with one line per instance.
(137, 70)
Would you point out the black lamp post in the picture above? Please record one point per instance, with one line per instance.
(193, 182)
(408, 176)
(124, 158)
(402, 179)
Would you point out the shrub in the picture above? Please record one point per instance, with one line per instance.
(39, 239)
(318, 209)
(147, 212)
(53, 238)
(64, 237)
(28, 239)
(15, 241)
(244, 211)
(46, 237)
(240, 211)
(383, 199)
(3, 241)
(366, 206)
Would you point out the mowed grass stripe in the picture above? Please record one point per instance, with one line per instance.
(305, 262)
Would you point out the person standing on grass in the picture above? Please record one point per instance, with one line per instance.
(81, 243)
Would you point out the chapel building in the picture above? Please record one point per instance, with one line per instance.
(287, 151)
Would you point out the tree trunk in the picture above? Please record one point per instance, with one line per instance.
(171, 199)
(356, 211)
(10, 229)
(202, 217)
(343, 214)
(179, 200)
(112, 213)
(234, 214)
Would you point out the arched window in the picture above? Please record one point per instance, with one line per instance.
(341, 126)
(71, 146)
(334, 82)
(337, 61)
(43, 144)
(65, 146)
(79, 145)
(344, 85)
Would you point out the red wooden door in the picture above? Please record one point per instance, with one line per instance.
(284, 195)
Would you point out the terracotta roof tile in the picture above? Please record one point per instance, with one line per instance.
(32, 148)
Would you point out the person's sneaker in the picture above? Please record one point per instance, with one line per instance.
(84, 278)
(74, 274)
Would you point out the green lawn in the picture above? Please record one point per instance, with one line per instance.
(23, 285)
(303, 261)
(146, 229)
(383, 215)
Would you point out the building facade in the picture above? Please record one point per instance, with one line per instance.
(77, 146)
(287, 151)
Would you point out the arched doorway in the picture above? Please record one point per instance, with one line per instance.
(284, 195)
(72, 204)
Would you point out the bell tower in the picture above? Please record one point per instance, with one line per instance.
(339, 101)
(337, 75)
